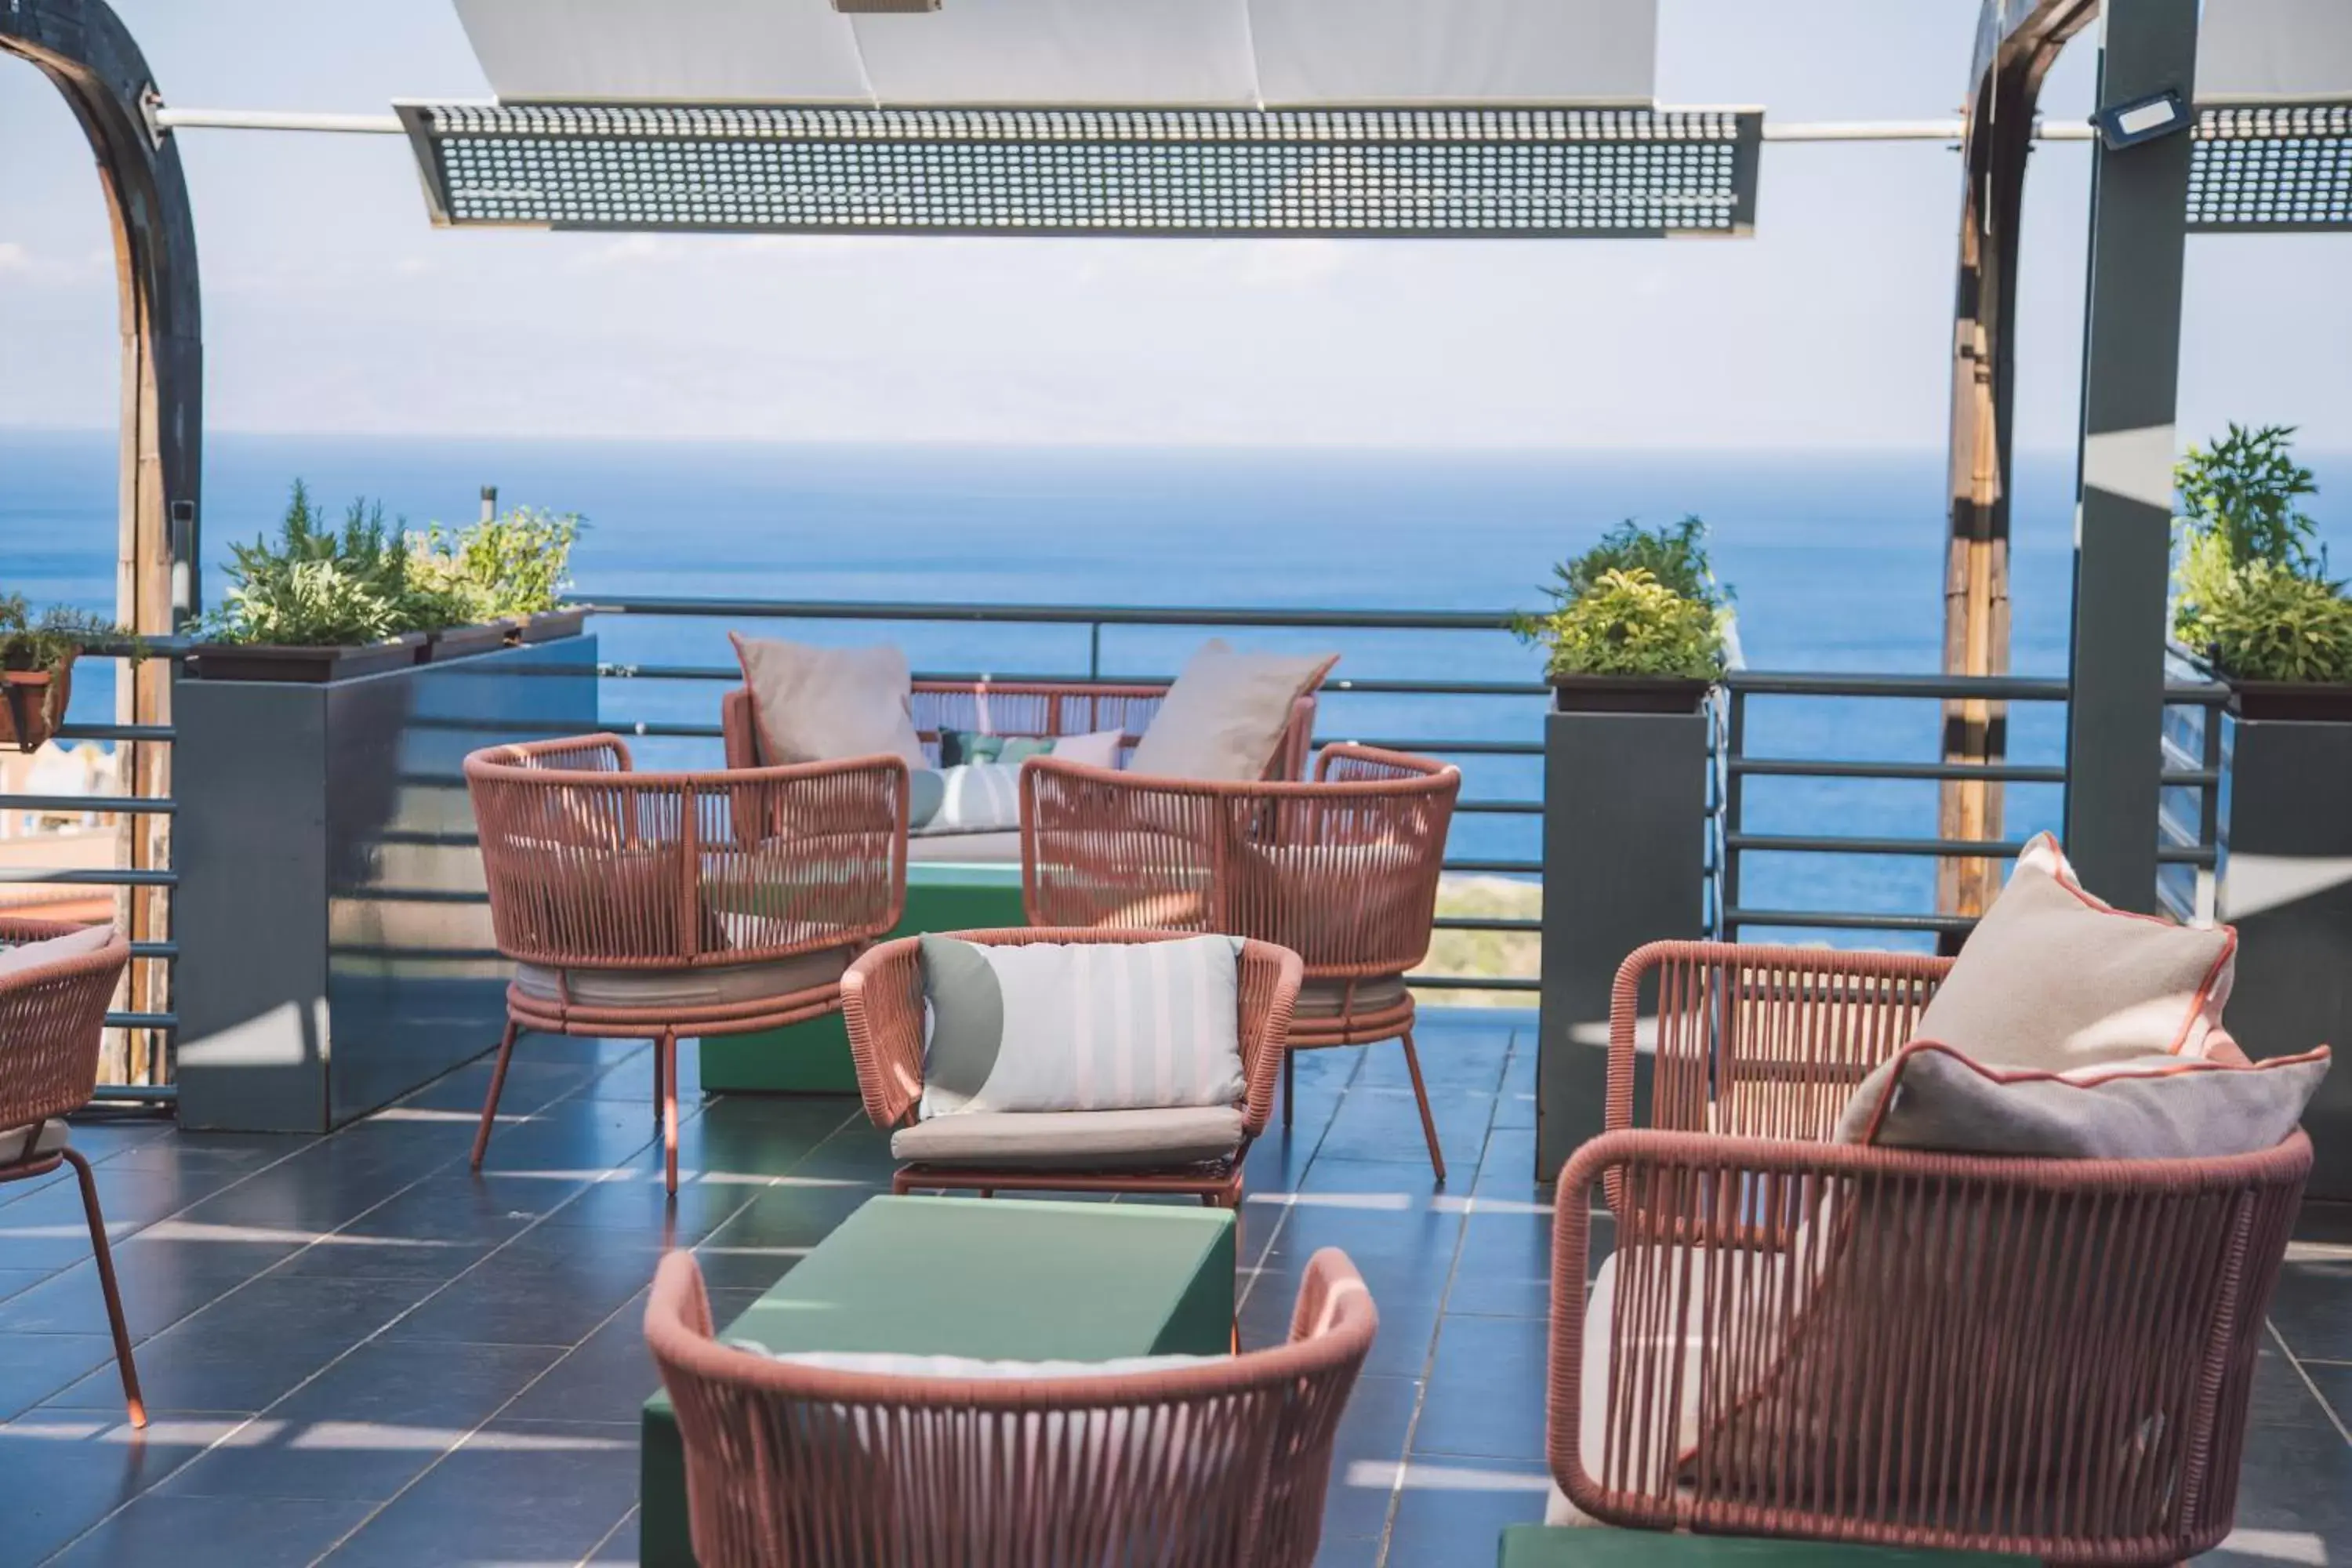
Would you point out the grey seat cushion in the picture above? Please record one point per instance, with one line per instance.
(1073, 1139)
(19, 1144)
(712, 986)
(1322, 998)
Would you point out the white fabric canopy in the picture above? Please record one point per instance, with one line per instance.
(2282, 50)
(1239, 54)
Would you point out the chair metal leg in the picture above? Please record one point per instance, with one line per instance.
(1289, 1089)
(665, 1063)
(1421, 1093)
(105, 1255)
(497, 1085)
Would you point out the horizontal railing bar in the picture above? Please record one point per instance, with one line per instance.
(161, 951)
(2187, 855)
(1812, 844)
(116, 732)
(731, 673)
(138, 1093)
(1800, 767)
(2189, 778)
(129, 804)
(1474, 981)
(142, 1020)
(427, 895)
(1497, 867)
(1062, 614)
(87, 877)
(1501, 807)
(1487, 923)
(1439, 748)
(1844, 920)
(1984, 688)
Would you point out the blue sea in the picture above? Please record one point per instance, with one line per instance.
(1836, 558)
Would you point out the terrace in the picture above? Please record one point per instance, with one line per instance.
(353, 1346)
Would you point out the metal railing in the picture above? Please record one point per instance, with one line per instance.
(2190, 777)
(146, 955)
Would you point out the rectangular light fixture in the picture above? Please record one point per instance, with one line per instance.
(2143, 120)
(883, 8)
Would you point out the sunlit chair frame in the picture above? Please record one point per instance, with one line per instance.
(1367, 836)
(52, 1023)
(594, 866)
(788, 1465)
(2052, 1358)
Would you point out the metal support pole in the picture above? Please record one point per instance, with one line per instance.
(2131, 363)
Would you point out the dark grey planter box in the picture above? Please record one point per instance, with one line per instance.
(335, 946)
(1624, 863)
(2286, 884)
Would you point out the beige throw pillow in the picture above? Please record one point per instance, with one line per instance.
(2054, 978)
(55, 950)
(829, 704)
(1224, 716)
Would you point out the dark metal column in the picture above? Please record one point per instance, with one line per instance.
(2131, 354)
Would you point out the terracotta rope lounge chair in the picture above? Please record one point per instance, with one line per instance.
(662, 905)
(1342, 870)
(52, 1020)
(1027, 707)
(882, 997)
(1799, 1337)
(1218, 1464)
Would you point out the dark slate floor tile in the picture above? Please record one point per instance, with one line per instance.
(368, 1424)
(2313, 1306)
(1453, 1513)
(608, 1376)
(1366, 1453)
(160, 1285)
(34, 1367)
(1505, 1266)
(2334, 1381)
(550, 1287)
(1348, 1551)
(15, 1282)
(519, 1492)
(621, 1545)
(1509, 1168)
(1486, 1394)
(215, 1532)
(31, 1238)
(62, 1472)
(2296, 1482)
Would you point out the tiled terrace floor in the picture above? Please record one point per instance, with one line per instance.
(355, 1351)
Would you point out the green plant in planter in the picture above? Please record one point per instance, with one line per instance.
(49, 642)
(320, 586)
(516, 564)
(1629, 623)
(2249, 589)
(1642, 601)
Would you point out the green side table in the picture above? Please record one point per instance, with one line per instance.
(1007, 1279)
(1594, 1546)
(813, 1058)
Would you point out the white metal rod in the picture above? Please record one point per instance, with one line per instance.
(1795, 131)
(275, 120)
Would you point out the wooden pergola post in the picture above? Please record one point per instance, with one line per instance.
(84, 49)
(2016, 44)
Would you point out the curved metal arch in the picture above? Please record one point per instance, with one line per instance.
(2017, 42)
(90, 55)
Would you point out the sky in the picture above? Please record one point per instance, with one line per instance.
(332, 306)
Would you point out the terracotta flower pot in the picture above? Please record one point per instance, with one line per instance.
(32, 705)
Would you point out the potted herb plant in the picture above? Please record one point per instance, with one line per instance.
(36, 660)
(323, 602)
(510, 570)
(1637, 623)
(2252, 594)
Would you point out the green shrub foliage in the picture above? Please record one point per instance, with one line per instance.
(2250, 591)
(1643, 601)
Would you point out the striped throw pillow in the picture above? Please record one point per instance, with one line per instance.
(1082, 1026)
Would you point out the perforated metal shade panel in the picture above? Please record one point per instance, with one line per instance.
(1455, 173)
(2272, 167)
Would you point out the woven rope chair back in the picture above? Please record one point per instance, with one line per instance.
(1219, 1465)
(52, 1021)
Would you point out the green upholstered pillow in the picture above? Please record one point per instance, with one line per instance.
(1081, 1027)
(959, 746)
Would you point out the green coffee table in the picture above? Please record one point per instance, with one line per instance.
(813, 1058)
(997, 1279)
(1581, 1546)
